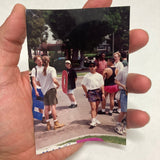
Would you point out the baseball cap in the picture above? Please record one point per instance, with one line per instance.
(68, 61)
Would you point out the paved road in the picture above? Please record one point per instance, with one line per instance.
(76, 121)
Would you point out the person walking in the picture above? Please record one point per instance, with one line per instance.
(49, 84)
(93, 86)
(109, 85)
(72, 77)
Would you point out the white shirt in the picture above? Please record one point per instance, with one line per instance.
(118, 65)
(93, 81)
(122, 76)
(46, 81)
(35, 71)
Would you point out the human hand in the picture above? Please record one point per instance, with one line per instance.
(16, 128)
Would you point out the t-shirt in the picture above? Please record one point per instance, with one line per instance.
(71, 78)
(101, 65)
(35, 71)
(118, 65)
(46, 81)
(122, 76)
(93, 81)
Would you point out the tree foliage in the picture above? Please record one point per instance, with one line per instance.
(36, 29)
(85, 29)
(82, 29)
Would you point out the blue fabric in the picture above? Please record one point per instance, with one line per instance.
(123, 101)
(37, 103)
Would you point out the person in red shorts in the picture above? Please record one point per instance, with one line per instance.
(110, 87)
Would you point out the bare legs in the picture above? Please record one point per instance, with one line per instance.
(94, 108)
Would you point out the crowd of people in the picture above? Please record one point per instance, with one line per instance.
(105, 78)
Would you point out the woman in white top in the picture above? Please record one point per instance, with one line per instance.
(118, 64)
(48, 82)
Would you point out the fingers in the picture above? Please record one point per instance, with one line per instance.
(60, 154)
(12, 35)
(137, 83)
(138, 39)
(97, 3)
(136, 118)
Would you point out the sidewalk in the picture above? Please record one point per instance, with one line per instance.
(76, 121)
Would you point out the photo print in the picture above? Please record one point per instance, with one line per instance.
(78, 60)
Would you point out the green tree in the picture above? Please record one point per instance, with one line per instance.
(36, 29)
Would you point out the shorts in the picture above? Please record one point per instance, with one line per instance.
(70, 91)
(50, 97)
(111, 89)
(94, 95)
(123, 101)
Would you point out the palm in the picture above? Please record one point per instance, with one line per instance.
(18, 134)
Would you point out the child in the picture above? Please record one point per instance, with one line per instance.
(93, 86)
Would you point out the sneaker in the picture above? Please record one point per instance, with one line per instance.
(110, 113)
(70, 106)
(117, 110)
(100, 112)
(93, 123)
(97, 121)
(74, 105)
(91, 127)
(119, 130)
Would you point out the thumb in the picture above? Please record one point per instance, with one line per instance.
(12, 35)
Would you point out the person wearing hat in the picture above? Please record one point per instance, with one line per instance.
(72, 77)
(93, 86)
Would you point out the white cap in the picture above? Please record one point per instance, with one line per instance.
(68, 61)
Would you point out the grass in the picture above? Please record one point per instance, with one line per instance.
(109, 139)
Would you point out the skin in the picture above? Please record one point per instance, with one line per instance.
(16, 127)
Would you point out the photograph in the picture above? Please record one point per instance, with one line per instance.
(78, 63)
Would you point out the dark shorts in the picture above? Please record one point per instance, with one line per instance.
(94, 95)
(50, 98)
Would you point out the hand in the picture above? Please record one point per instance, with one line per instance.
(86, 95)
(16, 127)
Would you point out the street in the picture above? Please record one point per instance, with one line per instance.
(76, 120)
